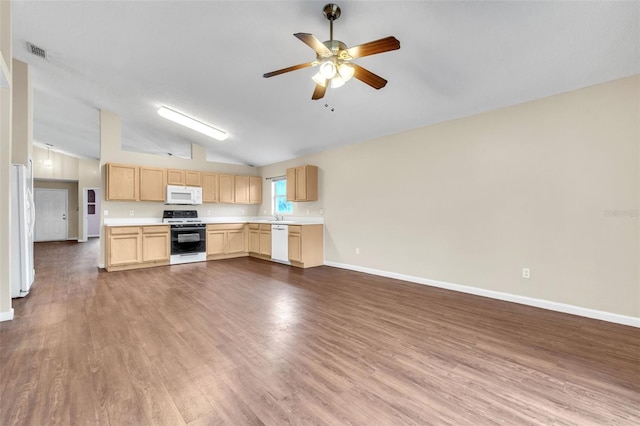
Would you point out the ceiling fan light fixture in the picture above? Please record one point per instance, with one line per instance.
(328, 69)
(346, 71)
(337, 81)
(319, 79)
(192, 123)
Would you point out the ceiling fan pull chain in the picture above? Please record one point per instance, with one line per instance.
(328, 98)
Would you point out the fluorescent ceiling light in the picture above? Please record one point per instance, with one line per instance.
(192, 123)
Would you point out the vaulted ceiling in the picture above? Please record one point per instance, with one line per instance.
(206, 58)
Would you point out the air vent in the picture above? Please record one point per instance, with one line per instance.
(35, 50)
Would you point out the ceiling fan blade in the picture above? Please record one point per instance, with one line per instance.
(293, 68)
(368, 77)
(319, 91)
(314, 43)
(373, 47)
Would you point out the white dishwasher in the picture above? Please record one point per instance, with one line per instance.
(280, 243)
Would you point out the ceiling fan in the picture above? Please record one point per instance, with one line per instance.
(334, 58)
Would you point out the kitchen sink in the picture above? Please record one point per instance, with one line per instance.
(275, 222)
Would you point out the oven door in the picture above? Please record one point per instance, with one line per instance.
(188, 239)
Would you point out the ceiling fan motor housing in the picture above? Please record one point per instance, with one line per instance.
(331, 11)
(334, 46)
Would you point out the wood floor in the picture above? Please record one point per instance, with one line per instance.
(249, 342)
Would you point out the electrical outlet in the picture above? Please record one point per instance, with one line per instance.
(526, 273)
(130, 212)
(307, 212)
(106, 213)
(242, 212)
(357, 250)
(264, 212)
(321, 212)
(208, 212)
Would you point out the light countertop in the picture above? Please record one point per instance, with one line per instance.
(126, 221)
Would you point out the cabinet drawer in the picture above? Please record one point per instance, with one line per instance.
(155, 229)
(265, 227)
(254, 226)
(295, 229)
(225, 227)
(123, 230)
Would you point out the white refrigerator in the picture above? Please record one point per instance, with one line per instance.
(22, 227)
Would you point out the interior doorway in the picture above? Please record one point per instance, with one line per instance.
(51, 214)
(91, 219)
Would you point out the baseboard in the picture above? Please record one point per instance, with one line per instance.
(508, 297)
(6, 316)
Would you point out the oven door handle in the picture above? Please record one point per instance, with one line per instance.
(191, 228)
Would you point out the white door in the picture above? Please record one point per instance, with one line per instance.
(51, 214)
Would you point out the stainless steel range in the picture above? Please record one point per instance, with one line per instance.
(188, 236)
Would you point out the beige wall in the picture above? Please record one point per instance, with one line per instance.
(551, 185)
(22, 114)
(72, 202)
(64, 167)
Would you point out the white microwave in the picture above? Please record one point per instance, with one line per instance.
(184, 194)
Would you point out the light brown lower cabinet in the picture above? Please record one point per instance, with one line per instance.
(156, 244)
(260, 240)
(226, 240)
(306, 245)
(131, 247)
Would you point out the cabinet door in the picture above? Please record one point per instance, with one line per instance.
(192, 178)
(291, 184)
(210, 187)
(311, 183)
(265, 243)
(301, 183)
(153, 184)
(235, 242)
(295, 247)
(125, 249)
(227, 189)
(175, 177)
(255, 190)
(242, 189)
(122, 182)
(156, 247)
(254, 241)
(216, 242)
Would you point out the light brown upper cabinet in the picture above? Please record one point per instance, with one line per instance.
(192, 178)
(175, 177)
(302, 183)
(227, 189)
(140, 183)
(122, 182)
(210, 187)
(255, 190)
(153, 184)
(242, 189)
(248, 189)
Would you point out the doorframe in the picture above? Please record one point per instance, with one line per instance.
(84, 235)
(66, 209)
